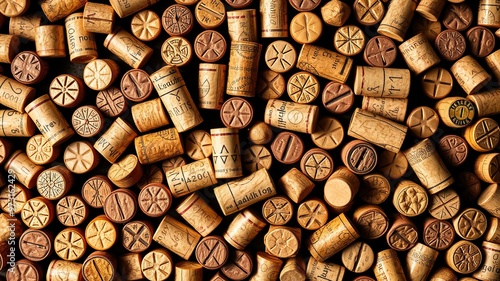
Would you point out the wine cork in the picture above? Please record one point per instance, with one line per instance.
(382, 82)
(49, 120)
(149, 115)
(291, 116)
(324, 63)
(493, 63)
(25, 171)
(198, 145)
(19, 193)
(340, 188)
(101, 224)
(273, 18)
(127, 8)
(243, 229)
(128, 48)
(470, 224)
(388, 266)
(403, 234)
(176, 98)
(49, 41)
(490, 200)
(226, 153)
(464, 257)
(390, 108)
(55, 10)
(15, 124)
(397, 19)
(429, 167)
(98, 18)
(488, 14)
(470, 75)
(99, 265)
(68, 269)
(130, 266)
(486, 103)
(490, 269)
(191, 177)
(335, 12)
(359, 157)
(296, 185)
(267, 267)
(455, 112)
(377, 130)
(9, 47)
(211, 85)
(443, 274)
(483, 135)
(487, 167)
(293, 270)
(371, 221)
(332, 238)
(195, 211)
(158, 146)
(55, 182)
(242, 25)
(15, 95)
(493, 231)
(419, 262)
(243, 68)
(70, 244)
(239, 194)
(183, 243)
(358, 257)
(28, 68)
(410, 199)
(291, 236)
(431, 9)
(99, 74)
(38, 213)
(24, 26)
(188, 270)
(115, 140)
(260, 133)
(126, 172)
(81, 43)
(321, 271)
(418, 53)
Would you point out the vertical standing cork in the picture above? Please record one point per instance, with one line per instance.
(191, 177)
(418, 53)
(23, 168)
(490, 200)
(188, 270)
(488, 13)
(296, 185)
(49, 41)
(390, 108)
(332, 238)
(15, 124)
(176, 237)
(388, 266)
(129, 7)
(320, 271)
(98, 18)
(149, 115)
(397, 19)
(419, 262)
(211, 85)
(242, 25)
(24, 26)
(486, 103)
(9, 47)
(324, 62)
(430, 9)
(243, 68)
(226, 153)
(382, 82)
(493, 62)
(195, 211)
(429, 167)
(490, 270)
(115, 140)
(55, 10)
(486, 167)
(239, 194)
(267, 267)
(273, 18)
(49, 120)
(158, 146)
(470, 75)
(81, 43)
(70, 270)
(377, 130)
(128, 48)
(243, 229)
(14, 94)
(291, 116)
(176, 98)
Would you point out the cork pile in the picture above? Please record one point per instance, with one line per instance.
(153, 140)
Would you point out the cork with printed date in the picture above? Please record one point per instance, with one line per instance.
(377, 130)
(158, 146)
(239, 194)
(324, 62)
(191, 177)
